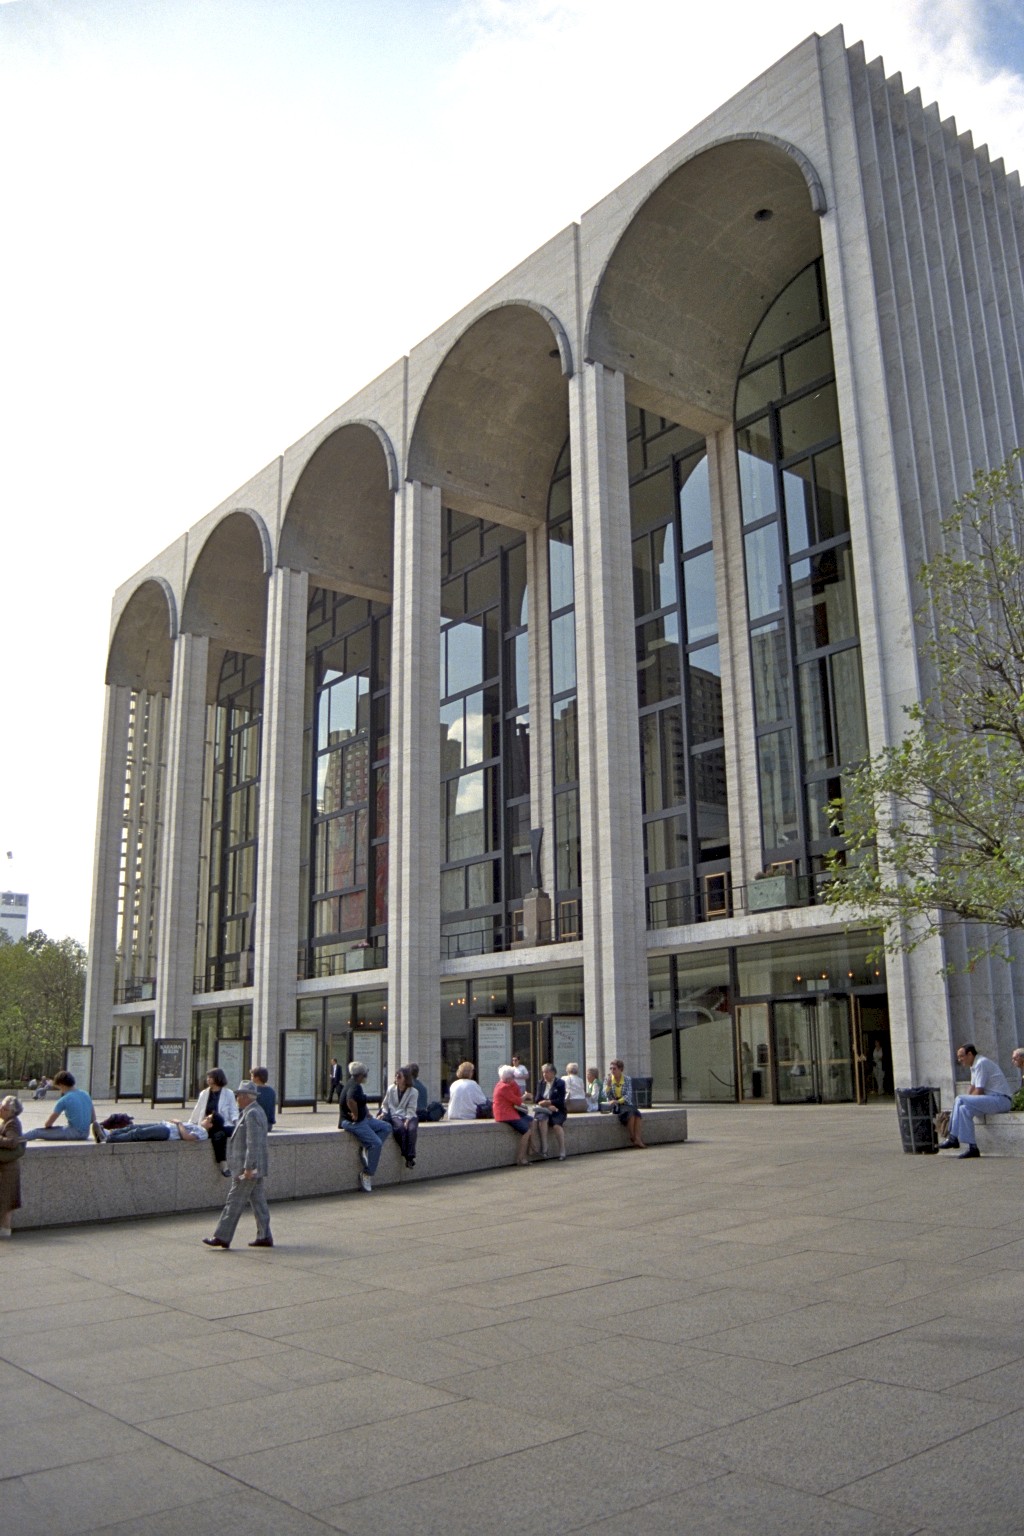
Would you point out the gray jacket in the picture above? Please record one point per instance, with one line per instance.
(248, 1145)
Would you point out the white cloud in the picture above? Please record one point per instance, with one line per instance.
(223, 219)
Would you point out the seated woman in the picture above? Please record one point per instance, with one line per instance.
(398, 1107)
(595, 1089)
(575, 1089)
(465, 1096)
(508, 1109)
(550, 1111)
(217, 1098)
(619, 1092)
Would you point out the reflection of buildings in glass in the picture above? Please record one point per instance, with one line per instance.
(566, 739)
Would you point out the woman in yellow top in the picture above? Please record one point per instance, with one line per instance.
(618, 1090)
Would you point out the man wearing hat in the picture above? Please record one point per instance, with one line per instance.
(247, 1161)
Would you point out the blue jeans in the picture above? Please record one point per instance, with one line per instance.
(141, 1133)
(966, 1107)
(56, 1133)
(371, 1134)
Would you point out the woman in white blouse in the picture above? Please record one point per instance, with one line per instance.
(465, 1094)
(217, 1099)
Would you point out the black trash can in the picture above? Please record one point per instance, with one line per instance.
(642, 1089)
(916, 1109)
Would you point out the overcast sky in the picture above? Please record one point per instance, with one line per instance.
(220, 218)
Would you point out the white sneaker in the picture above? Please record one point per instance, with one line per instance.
(365, 1183)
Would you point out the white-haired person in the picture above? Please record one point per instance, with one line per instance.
(508, 1110)
(355, 1118)
(12, 1150)
(465, 1096)
(575, 1089)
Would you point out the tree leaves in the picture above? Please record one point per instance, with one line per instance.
(933, 825)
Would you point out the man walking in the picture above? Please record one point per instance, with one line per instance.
(989, 1094)
(247, 1161)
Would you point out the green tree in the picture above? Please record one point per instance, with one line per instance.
(933, 825)
(42, 1000)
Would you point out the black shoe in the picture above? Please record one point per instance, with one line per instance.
(216, 1242)
(226, 1172)
(410, 1162)
(970, 1152)
(262, 1242)
(949, 1145)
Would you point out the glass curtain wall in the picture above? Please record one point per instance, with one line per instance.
(344, 877)
(679, 674)
(138, 885)
(564, 704)
(801, 603)
(485, 733)
(233, 786)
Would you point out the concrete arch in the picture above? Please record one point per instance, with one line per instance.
(339, 523)
(226, 595)
(692, 273)
(496, 414)
(142, 648)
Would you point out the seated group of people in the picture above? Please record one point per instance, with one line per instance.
(555, 1098)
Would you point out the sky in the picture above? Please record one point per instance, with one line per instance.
(220, 218)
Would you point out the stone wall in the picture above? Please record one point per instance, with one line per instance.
(71, 1182)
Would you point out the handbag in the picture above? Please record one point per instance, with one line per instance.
(11, 1154)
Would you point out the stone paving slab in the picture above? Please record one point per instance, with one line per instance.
(783, 1325)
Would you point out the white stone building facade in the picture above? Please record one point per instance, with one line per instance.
(662, 492)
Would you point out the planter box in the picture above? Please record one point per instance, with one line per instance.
(778, 891)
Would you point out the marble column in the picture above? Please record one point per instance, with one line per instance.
(103, 936)
(414, 878)
(614, 917)
(276, 938)
(183, 806)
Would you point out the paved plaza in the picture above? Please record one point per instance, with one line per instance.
(785, 1325)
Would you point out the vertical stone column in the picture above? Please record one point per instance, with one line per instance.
(276, 939)
(183, 805)
(542, 790)
(99, 983)
(414, 878)
(614, 918)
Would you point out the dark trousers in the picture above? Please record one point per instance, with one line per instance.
(405, 1134)
(335, 1088)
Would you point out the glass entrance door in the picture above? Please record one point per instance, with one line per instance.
(813, 1048)
(753, 1066)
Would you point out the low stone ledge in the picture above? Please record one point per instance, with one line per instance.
(1000, 1135)
(64, 1183)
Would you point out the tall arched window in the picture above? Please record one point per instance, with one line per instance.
(679, 674)
(485, 733)
(801, 603)
(347, 763)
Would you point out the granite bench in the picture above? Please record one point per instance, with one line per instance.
(69, 1182)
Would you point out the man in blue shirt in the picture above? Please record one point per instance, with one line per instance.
(266, 1097)
(76, 1107)
(989, 1094)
